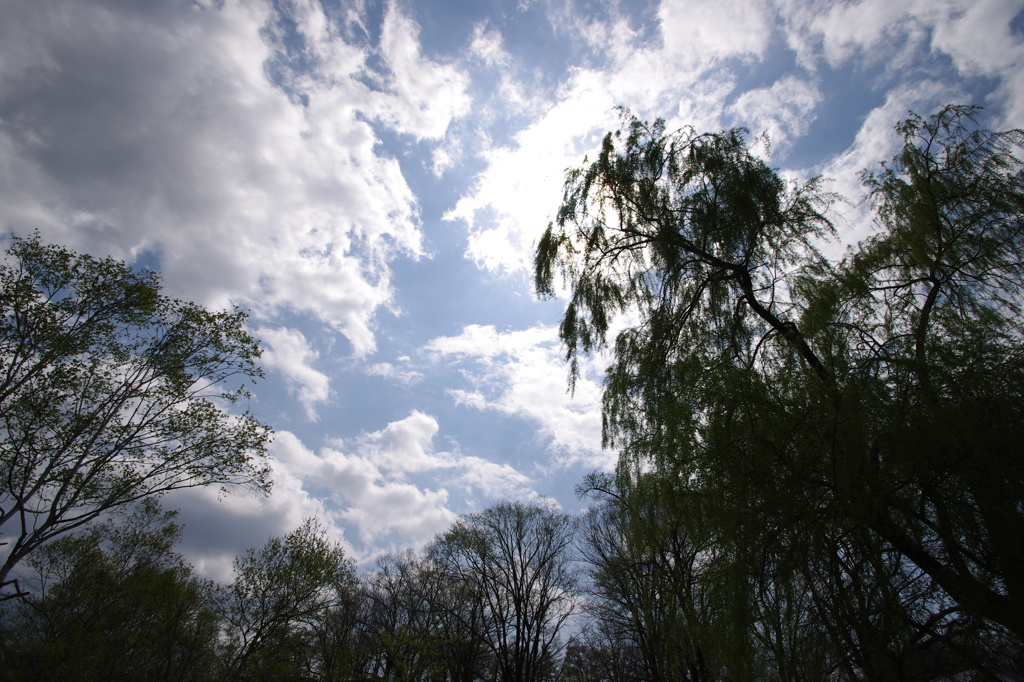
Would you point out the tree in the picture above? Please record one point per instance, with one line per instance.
(116, 603)
(111, 393)
(948, 267)
(645, 588)
(516, 560)
(343, 646)
(814, 414)
(426, 626)
(280, 602)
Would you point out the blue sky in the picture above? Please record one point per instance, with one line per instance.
(368, 177)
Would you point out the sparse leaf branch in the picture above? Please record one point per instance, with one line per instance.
(106, 393)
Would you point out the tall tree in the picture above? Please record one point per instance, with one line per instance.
(947, 269)
(811, 412)
(646, 588)
(427, 624)
(517, 560)
(283, 596)
(110, 393)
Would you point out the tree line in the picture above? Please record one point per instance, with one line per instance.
(820, 475)
(488, 599)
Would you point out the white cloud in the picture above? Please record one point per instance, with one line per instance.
(523, 373)
(220, 527)
(367, 481)
(400, 373)
(487, 46)
(496, 481)
(359, 485)
(381, 510)
(693, 72)
(875, 142)
(698, 33)
(405, 446)
(517, 194)
(862, 27)
(157, 129)
(287, 351)
(975, 34)
(784, 110)
(424, 96)
(519, 191)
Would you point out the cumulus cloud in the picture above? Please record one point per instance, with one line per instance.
(380, 510)
(218, 527)
(156, 130)
(288, 351)
(405, 445)
(523, 373)
(391, 487)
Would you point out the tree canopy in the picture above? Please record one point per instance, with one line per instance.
(115, 603)
(827, 428)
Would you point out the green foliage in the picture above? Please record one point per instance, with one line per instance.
(110, 393)
(687, 229)
(837, 439)
(285, 595)
(116, 603)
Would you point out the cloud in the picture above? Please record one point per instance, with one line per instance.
(487, 46)
(975, 34)
(495, 480)
(218, 528)
(693, 75)
(516, 195)
(424, 96)
(876, 29)
(518, 192)
(698, 34)
(391, 487)
(404, 446)
(287, 351)
(784, 110)
(400, 373)
(154, 129)
(381, 511)
(875, 142)
(523, 373)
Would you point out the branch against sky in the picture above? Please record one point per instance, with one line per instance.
(111, 394)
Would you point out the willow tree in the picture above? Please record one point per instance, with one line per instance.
(801, 405)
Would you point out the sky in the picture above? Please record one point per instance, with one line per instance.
(368, 179)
